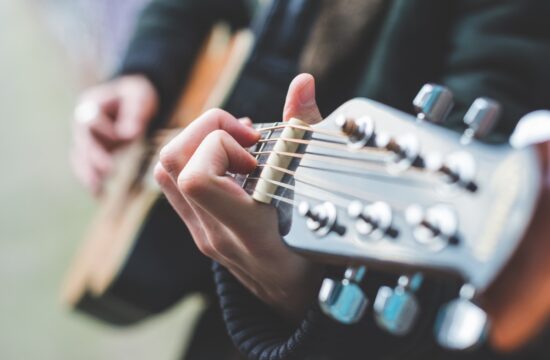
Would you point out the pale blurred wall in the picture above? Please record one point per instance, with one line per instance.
(93, 33)
(43, 211)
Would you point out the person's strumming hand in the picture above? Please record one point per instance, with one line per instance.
(106, 117)
(226, 223)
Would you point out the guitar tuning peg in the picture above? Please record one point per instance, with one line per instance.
(359, 131)
(321, 219)
(373, 222)
(433, 103)
(480, 119)
(461, 324)
(396, 309)
(344, 301)
(435, 227)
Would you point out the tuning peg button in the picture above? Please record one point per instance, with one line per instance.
(396, 309)
(373, 221)
(344, 301)
(359, 131)
(433, 103)
(461, 324)
(321, 219)
(435, 227)
(481, 118)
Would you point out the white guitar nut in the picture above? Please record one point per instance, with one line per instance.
(270, 175)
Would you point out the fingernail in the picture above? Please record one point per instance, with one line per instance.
(247, 122)
(306, 96)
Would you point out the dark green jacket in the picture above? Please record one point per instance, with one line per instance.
(494, 48)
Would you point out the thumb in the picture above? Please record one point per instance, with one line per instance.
(300, 100)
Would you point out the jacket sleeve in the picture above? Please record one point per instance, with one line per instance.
(168, 36)
(500, 49)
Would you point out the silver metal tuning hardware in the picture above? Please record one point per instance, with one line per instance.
(396, 309)
(481, 118)
(461, 324)
(344, 301)
(433, 103)
(435, 227)
(359, 131)
(374, 221)
(406, 150)
(457, 168)
(321, 219)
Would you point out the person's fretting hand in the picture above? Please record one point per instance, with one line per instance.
(226, 223)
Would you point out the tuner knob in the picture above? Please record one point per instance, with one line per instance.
(435, 228)
(457, 168)
(359, 131)
(461, 324)
(405, 149)
(374, 221)
(433, 103)
(344, 301)
(396, 309)
(481, 119)
(321, 219)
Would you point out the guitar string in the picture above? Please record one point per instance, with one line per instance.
(321, 157)
(305, 128)
(324, 157)
(327, 144)
(335, 199)
(280, 198)
(408, 177)
(327, 186)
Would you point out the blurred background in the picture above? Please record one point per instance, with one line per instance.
(49, 51)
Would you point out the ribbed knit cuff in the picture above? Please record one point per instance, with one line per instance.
(257, 330)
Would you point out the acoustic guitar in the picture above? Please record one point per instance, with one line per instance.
(371, 187)
(127, 269)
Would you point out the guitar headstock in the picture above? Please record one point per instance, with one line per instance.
(373, 186)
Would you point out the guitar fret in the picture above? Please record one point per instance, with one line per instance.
(260, 146)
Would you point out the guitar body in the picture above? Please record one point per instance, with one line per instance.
(130, 263)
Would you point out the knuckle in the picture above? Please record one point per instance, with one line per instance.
(192, 183)
(217, 136)
(169, 160)
(161, 176)
(215, 113)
